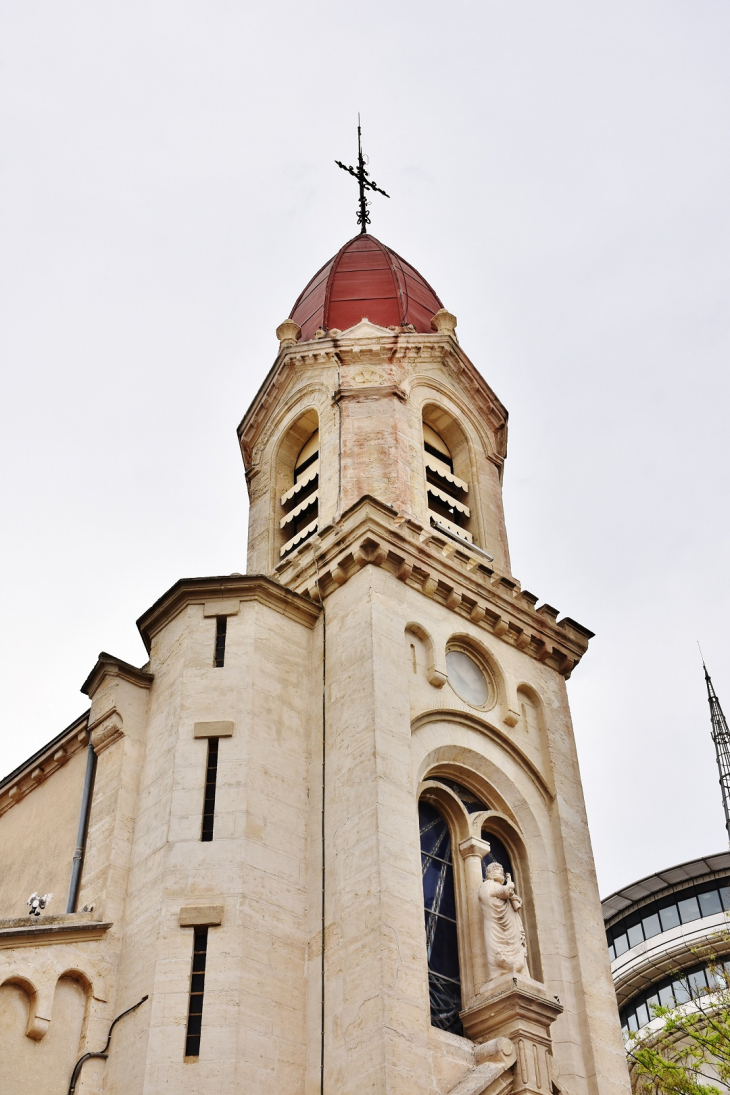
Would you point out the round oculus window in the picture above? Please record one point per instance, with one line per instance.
(466, 678)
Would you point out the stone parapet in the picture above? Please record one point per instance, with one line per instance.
(371, 533)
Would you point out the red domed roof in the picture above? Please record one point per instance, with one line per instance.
(365, 279)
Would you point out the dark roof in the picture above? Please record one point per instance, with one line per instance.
(664, 880)
(365, 279)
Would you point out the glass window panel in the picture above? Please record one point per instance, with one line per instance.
(652, 1002)
(445, 997)
(612, 952)
(444, 958)
(666, 996)
(431, 875)
(681, 993)
(710, 902)
(689, 909)
(725, 897)
(669, 917)
(470, 800)
(497, 854)
(442, 947)
(621, 944)
(697, 982)
(642, 1015)
(631, 1021)
(635, 935)
(434, 831)
(438, 888)
(652, 925)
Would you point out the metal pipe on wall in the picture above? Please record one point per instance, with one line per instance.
(78, 859)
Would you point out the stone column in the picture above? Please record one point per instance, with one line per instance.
(472, 851)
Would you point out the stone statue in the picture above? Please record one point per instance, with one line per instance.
(504, 935)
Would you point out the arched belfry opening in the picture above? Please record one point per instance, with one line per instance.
(298, 483)
(448, 468)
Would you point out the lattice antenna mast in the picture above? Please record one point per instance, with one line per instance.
(721, 738)
(364, 182)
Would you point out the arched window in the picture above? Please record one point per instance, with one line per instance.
(447, 492)
(300, 502)
(440, 905)
(442, 944)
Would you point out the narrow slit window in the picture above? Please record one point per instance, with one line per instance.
(211, 775)
(221, 625)
(197, 986)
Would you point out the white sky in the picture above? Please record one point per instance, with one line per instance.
(558, 171)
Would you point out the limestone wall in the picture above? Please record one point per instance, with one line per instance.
(38, 838)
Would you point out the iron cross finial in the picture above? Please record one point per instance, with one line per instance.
(364, 182)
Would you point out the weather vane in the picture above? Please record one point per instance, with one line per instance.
(364, 182)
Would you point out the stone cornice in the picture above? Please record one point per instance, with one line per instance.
(368, 341)
(42, 764)
(372, 533)
(109, 666)
(253, 587)
(31, 932)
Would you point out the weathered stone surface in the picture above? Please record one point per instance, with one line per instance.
(335, 679)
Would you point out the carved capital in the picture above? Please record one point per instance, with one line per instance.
(474, 846)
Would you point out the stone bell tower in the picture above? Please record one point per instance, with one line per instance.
(330, 838)
(374, 454)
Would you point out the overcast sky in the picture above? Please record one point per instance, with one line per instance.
(558, 171)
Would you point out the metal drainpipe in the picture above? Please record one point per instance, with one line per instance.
(78, 859)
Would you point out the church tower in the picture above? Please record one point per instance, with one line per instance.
(336, 837)
(374, 455)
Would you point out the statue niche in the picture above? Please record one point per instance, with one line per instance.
(504, 933)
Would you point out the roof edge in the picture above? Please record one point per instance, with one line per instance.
(247, 587)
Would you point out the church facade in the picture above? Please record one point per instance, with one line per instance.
(331, 837)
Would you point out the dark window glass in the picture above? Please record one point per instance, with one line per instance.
(211, 776)
(470, 800)
(621, 944)
(651, 925)
(689, 909)
(497, 854)
(442, 947)
(221, 626)
(635, 935)
(669, 917)
(197, 984)
(710, 902)
(691, 903)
